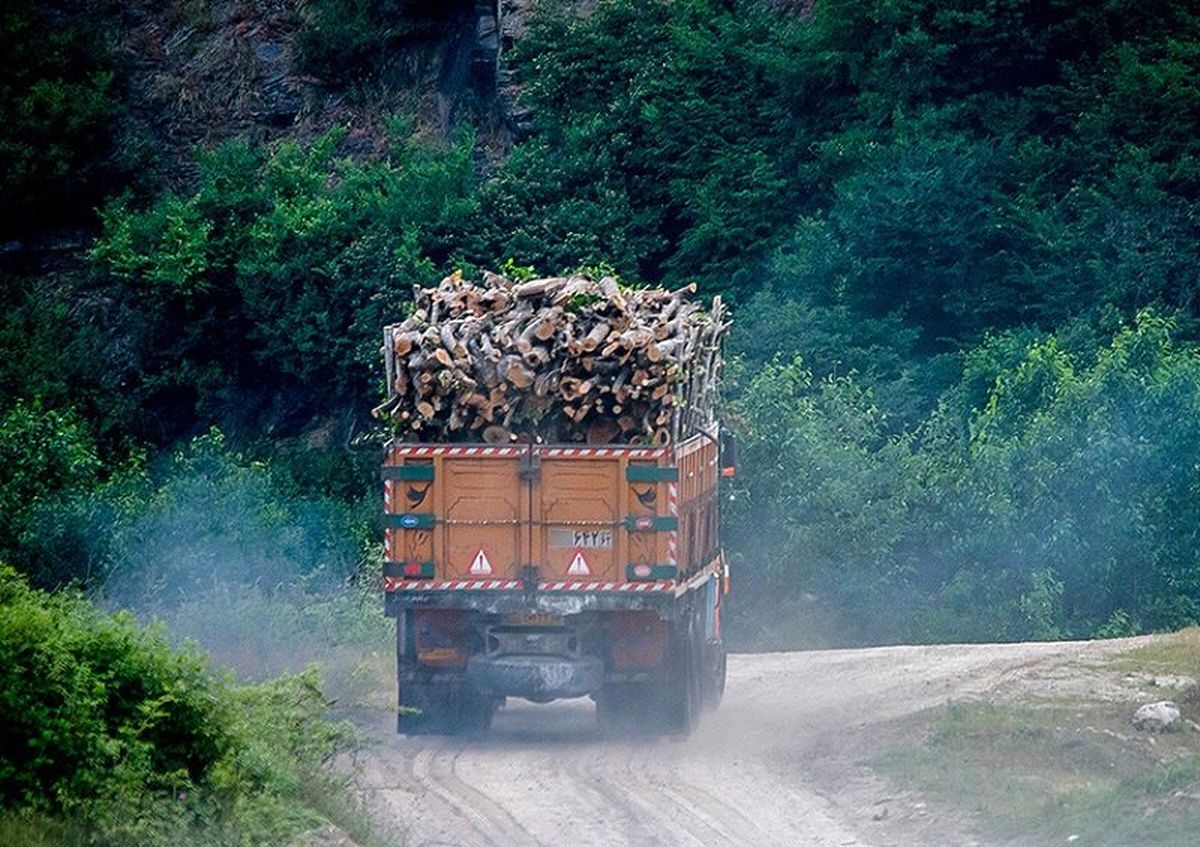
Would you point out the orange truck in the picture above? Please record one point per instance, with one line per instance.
(550, 571)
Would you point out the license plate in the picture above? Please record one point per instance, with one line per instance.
(534, 619)
(586, 539)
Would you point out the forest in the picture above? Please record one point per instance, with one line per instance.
(961, 242)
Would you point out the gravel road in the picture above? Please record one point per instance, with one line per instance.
(756, 772)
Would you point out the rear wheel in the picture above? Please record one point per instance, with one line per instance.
(445, 708)
(427, 709)
(624, 707)
(682, 695)
(714, 674)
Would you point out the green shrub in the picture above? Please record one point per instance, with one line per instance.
(824, 497)
(47, 456)
(88, 699)
(1044, 498)
(59, 103)
(661, 142)
(205, 517)
(278, 270)
(114, 738)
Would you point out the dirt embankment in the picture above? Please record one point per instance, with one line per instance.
(782, 762)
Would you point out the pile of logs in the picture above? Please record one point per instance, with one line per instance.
(564, 359)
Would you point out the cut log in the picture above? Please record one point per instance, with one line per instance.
(496, 434)
(558, 358)
(602, 431)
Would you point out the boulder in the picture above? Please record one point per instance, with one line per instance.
(1162, 716)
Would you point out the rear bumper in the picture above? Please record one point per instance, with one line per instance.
(550, 602)
(538, 678)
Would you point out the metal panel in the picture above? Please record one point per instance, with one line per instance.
(481, 510)
(580, 495)
(651, 473)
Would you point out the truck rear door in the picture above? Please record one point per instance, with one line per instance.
(456, 513)
(576, 504)
(578, 515)
(604, 515)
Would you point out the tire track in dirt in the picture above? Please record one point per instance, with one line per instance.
(545, 776)
(498, 824)
(435, 769)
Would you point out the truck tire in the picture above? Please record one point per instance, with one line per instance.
(617, 706)
(443, 710)
(714, 674)
(722, 674)
(416, 714)
(681, 694)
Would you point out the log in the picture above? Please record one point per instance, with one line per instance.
(516, 373)
(496, 434)
(560, 358)
(602, 431)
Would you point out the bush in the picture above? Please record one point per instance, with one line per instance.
(202, 518)
(58, 107)
(1047, 496)
(48, 456)
(87, 697)
(823, 498)
(279, 270)
(661, 142)
(117, 739)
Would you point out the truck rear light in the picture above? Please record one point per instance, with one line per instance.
(418, 570)
(440, 637)
(636, 640)
(421, 570)
(644, 572)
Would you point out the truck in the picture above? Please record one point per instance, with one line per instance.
(546, 571)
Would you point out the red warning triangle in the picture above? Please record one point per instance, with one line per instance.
(481, 565)
(579, 566)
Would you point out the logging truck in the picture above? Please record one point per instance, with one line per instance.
(525, 567)
(545, 571)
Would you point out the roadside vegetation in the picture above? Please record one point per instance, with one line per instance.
(1044, 770)
(113, 737)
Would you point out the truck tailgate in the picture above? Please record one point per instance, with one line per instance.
(575, 514)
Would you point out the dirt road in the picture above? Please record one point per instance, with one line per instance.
(779, 763)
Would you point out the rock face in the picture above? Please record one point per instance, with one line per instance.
(1162, 716)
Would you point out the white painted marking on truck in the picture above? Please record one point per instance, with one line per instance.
(579, 566)
(481, 565)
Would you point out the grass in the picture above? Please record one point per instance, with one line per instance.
(33, 830)
(1040, 773)
(1178, 653)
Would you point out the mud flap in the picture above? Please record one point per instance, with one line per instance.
(427, 709)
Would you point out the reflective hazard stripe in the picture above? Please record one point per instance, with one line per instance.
(429, 450)
(397, 584)
(673, 510)
(389, 553)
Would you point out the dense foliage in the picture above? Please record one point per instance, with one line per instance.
(962, 240)
(273, 276)
(58, 105)
(153, 533)
(1050, 494)
(113, 738)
